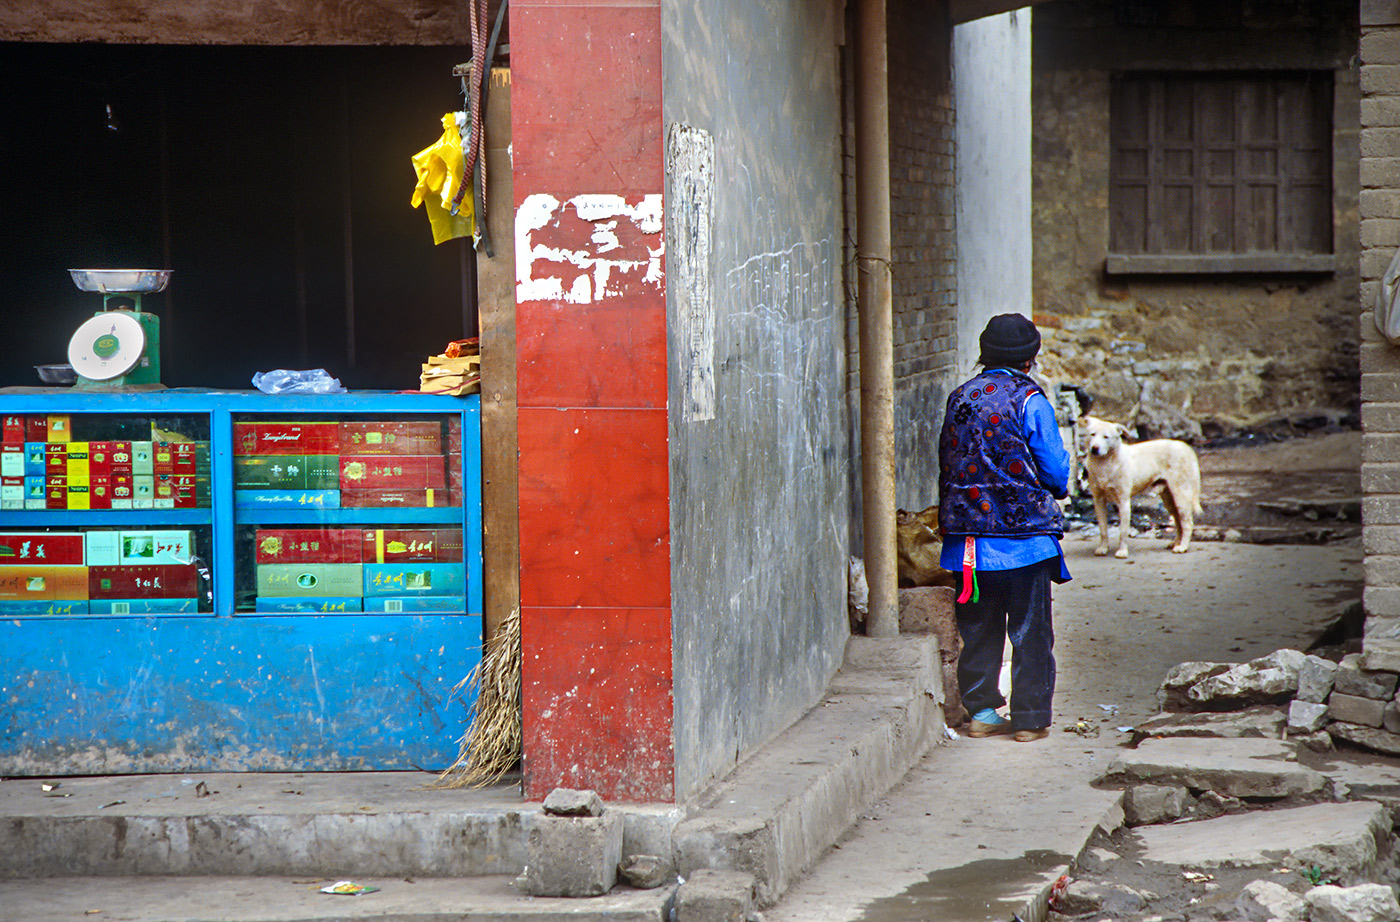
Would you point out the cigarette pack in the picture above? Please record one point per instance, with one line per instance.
(143, 606)
(12, 430)
(154, 547)
(455, 604)
(426, 545)
(342, 580)
(415, 579)
(142, 458)
(33, 459)
(11, 492)
(58, 428)
(162, 581)
(308, 545)
(286, 499)
(53, 548)
(329, 605)
(55, 460)
(79, 493)
(286, 438)
(420, 437)
(48, 583)
(12, 459)
(76, 463)
(36, 428)
(393, 472)
(19, 608)
(100, 492)
(286, 472)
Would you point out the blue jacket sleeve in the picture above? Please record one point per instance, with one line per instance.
(1043, 436)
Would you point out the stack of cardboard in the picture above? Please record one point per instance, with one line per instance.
(456, 371)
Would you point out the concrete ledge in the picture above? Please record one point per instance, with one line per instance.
(780, 810)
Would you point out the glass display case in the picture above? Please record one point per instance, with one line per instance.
(296, 580)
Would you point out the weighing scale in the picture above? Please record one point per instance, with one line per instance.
(118, 346)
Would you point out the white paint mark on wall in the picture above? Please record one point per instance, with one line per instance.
(690, 171)
(560, 257)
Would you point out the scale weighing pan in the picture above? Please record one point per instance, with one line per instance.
(107, 345)
(113, 281)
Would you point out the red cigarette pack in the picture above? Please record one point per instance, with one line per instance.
(57, 549)
(398, 545)
(420, 437)
(154, 581)
(392, 472)
(36, 428)
(286, 438)
(308, 545)
(100, 492)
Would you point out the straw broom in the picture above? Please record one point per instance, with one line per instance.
(491, 745)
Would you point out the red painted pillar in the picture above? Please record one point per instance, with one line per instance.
(595, 589)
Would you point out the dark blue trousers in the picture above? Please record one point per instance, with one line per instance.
(1015, 604)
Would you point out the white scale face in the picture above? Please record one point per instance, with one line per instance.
(107, 345)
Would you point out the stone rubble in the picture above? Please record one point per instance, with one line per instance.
(1364, 903)
(1266, 901)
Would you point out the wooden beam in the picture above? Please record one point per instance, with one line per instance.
(962, 11)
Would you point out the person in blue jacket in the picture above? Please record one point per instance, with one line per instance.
(1002, 465)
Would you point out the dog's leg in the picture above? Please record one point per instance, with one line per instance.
(1125, 522)
(1185, 520)
(1101, 513)
(1169, 500)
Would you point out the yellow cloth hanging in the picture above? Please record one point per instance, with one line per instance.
(439, 168)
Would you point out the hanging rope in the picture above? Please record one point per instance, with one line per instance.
(472, 149)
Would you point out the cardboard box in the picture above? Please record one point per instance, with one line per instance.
(165, 581)
(18, 608)
(53, 548)
(307, 580)
(424, 545)
(393, 472)
(308, 545)
(143, 606)
(286, 499)
(270, 605)
(49, 583)
(286, 472)
(286, 438)
(454, 604)
(415, 579)
(419, 437)
(12, 430)
(389, 499)
(59, 428)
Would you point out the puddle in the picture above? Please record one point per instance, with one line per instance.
(989, 890)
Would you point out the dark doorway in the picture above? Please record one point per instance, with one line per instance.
(275, 182)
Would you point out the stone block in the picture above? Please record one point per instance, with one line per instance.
(1266, 901)
(1306, 716)
(1315, 676)
(1261, 722)
(1233, 767)
(1172, 693)
(1267, 678)
(929, 610)
(1353, 709)
(1369, 737)
(569, 802)
(1380, 655)
(1351, 679)
(573, 855)
(715, 896)
(1144, 804)
(1390, 720)
(1362, 903)
(647, 872)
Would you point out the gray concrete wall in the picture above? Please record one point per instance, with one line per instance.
(1174, 352)
(760, 461)
(991, 85)
(1380, 361)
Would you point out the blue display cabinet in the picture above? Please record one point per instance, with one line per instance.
(286, 583)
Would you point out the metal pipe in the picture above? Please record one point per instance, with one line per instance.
(875, 304)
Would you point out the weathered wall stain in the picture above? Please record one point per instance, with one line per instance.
(625, 247)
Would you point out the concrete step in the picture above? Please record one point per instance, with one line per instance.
(292, 899)
(1248, 768)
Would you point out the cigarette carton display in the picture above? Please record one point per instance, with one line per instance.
(49, 583)
(286, 472)
(416, 604)
(286, 499)
(286, 438)
(161, 581)
(18, 608)
(400, 545)
(391, 438)
(270, 605)
(393, 472)
(304, 580)
(308, 545)
(388, 499)
(143, 606)
(52, 548)
(415, 579)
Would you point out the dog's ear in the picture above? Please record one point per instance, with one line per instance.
(1123, 430)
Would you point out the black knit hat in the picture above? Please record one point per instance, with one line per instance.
(1009, 341)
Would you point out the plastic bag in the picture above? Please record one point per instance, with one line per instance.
(284, 381)
(1387, 310)
(439, 168)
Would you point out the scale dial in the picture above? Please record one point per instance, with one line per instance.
(107, 345)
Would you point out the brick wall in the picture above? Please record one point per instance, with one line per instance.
(923, 238)
(1380, 361)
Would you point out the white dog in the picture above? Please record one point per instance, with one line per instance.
(1118, 471)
